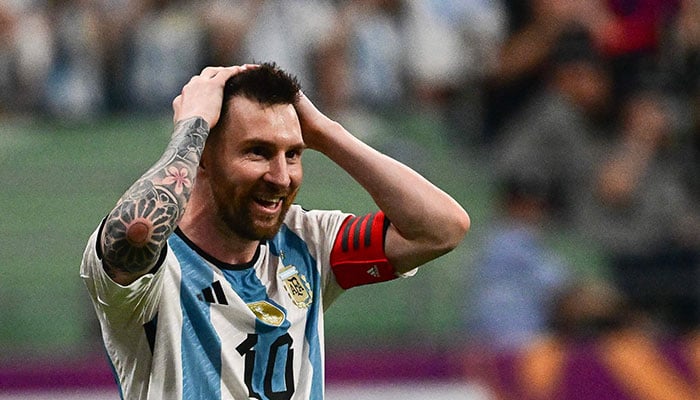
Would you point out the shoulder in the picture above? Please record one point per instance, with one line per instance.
(314, 222)
(314, 231)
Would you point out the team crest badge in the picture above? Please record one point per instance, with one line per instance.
(267, 312)
(296, 285)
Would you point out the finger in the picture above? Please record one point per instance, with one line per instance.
(176, 107)
(224, 73)
(210, 72)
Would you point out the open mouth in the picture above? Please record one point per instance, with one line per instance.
(270, 203)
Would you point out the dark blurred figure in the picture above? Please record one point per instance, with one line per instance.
(533, 29)
(628, 34)
(557, 136)
(641, 214)
(680, 66)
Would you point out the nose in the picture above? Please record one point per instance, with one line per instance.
(278, 172)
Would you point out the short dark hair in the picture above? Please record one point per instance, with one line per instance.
(575, 45)
(267, 84)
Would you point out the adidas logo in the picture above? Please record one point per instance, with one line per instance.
(374, 271)
(213, 294)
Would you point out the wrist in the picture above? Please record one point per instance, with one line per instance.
(190, 125)
(325, 137)
(192, 120)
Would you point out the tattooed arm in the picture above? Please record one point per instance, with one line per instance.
(136, 230)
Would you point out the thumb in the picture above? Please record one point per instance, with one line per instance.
(176, 108)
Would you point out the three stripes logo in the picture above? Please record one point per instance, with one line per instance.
(374, 271)
(213, 294)
(360, 230)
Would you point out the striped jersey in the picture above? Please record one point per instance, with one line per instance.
(197, 328)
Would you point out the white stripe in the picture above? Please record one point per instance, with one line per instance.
(166, 376)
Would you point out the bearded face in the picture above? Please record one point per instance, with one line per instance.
(253, 168)
(255, 214)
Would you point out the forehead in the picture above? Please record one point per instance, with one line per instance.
(249, 120)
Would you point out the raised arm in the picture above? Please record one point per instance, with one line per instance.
(136, 230)
(425, 221)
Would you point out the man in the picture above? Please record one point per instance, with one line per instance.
(209, 283)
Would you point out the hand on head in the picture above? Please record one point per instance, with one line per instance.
(313, 122)
(203, 94)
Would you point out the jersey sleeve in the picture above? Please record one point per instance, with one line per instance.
(358, 256)
(120, 304)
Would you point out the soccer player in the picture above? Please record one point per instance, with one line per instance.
(210, 283)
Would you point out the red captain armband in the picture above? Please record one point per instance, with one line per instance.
(358, 255)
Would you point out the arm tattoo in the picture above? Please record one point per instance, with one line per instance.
(137, 228)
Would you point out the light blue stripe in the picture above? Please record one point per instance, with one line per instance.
(296, 253)
(201, 346)
(250, 289)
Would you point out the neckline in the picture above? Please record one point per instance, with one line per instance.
(214, 260)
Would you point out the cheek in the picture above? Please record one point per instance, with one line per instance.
(238, 173)
(296, 173)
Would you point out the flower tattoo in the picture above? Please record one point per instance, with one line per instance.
(178, 177)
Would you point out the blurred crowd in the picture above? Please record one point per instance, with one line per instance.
(591, 123)
(585, 113)
(86, 58)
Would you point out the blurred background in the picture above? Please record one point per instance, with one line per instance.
(569, 130)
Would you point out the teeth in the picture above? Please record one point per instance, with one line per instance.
(270, 199)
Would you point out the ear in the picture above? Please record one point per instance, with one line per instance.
(210, 146)
(204, 160)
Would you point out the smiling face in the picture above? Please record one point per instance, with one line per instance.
(253, 167)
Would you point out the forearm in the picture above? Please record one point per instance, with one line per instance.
(136, 230)
(428, 221)
(425, 221)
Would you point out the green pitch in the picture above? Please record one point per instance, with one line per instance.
(57, 182)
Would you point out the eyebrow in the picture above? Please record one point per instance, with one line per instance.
(271, 143)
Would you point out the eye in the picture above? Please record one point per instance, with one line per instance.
(293, 154)
(259, 151)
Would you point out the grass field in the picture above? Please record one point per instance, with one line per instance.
(58, 181)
